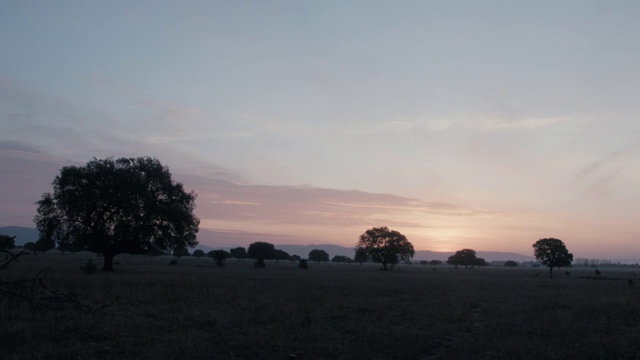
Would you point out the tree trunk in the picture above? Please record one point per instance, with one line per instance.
(384, 266)
(550, 270)
(108, 261)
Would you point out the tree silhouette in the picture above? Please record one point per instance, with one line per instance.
(43, 245)
(180, 251)
(198, 253)
(466, 257)
(30, 246)
(510, 263)
(341, 259)
(552, 253)
(318, 255)
(361, 256)
(281, 255)
(7, 242)
(239, 253)
(128, 205)
(218, 256)
(262, 250)
(385, 246)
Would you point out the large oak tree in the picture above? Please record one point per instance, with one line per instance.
(128, 205)
(552, 253)
(385, 246)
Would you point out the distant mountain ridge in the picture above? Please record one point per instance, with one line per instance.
(23, 234)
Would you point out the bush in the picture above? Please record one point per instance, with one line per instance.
(173, 262)
(89, 267)
(260, 263)
(303, 264)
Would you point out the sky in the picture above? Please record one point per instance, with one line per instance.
(462, 124)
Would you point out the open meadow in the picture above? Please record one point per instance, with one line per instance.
(148, 309)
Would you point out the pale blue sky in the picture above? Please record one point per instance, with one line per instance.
(483, 124)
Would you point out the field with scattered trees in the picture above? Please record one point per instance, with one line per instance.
(149, 309)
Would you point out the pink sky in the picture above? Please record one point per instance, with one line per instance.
(459, 123)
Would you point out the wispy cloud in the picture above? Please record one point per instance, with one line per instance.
(482, 124)
(597, 177)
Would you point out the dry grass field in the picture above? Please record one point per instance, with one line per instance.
(194, 310)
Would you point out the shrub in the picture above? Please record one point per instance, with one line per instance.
(260, 263)
(89, 267)
(173, 262)
(303, 264)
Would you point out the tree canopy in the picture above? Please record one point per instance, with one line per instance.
(260, 249)
(552, 253)
(361, 256)
(281, 255)
(7, 242)
(341, 259)
(128, 205)
(466, 257)
(318, 255)
(198, 253)
(385, 246)
(219, 256)
(239, 253)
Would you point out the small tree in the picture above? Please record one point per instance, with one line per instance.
(466, 257)
(43, 245)
(239, 253)
(219, 256)
(318, 255)
(435, 262)
(303, 264)
(30, 246)
(7, 242)
(281, 255)
(262, 250)
(510, 263)
(198, 253)
(552, 253)
(294, 258)
(341, 259)
(385, 246)
(361, 256)
(180, 251)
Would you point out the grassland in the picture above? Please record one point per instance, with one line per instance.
(195, 310)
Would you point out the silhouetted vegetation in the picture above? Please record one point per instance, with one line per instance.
(118, 206)
(89, 267)
(552, 253)
(341, 259)
(281, 255)
(240, 253)
(7, 242)
(219, 256)
(385, 246)
(303, 264)
(361, 256)
(180, 252)
(317, 256)
(263, 250)
(43, 245)
(466, 257)
(198, 253)
(259, 263)
(510, 263)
